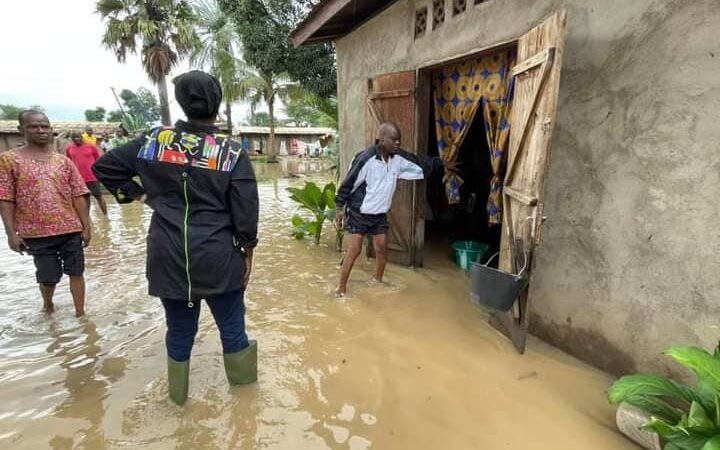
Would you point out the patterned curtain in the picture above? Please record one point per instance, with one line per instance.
(459, 90)
(496, 114)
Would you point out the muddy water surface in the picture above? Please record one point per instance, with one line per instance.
(407, 365)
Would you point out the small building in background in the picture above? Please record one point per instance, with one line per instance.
(10, 136)
(288, 140)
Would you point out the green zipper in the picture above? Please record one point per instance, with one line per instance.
(185, 233)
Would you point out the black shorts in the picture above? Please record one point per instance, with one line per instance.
(55, 255)
(367, 224)
(95, 188)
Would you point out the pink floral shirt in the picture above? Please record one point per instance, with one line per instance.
(42, 192)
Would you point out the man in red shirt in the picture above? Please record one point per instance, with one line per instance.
(84, 156)
(44, 207)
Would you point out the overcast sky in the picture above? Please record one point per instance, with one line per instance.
(52, 56)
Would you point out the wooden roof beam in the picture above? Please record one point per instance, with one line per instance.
(317, 19)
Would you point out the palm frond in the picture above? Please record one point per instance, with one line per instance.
(158, 61)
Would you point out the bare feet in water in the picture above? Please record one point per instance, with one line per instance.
(48, 308)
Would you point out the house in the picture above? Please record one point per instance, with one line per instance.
(10, 136)
(619, 225)
(288, 140)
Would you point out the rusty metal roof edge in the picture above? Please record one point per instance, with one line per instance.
(10, 126)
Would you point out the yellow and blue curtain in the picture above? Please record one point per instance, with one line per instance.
(459, 91)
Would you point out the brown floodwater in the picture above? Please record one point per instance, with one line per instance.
(411, 364)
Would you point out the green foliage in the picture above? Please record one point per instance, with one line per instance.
(219, 45)
(687, 418)
(141, 104)
(115, 116)
(95, 115)
(320, 202)
(260, 119)
(265, 26)
(310, 110)
(11, 112)
(141, 110)
(163, 31)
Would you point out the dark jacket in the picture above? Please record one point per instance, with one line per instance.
(202, 189)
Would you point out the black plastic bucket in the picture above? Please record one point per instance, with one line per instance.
(495, 289)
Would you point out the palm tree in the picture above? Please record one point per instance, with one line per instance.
(219, 45)
(264, 87)
(162, 29)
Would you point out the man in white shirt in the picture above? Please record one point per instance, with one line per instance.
(366, 193)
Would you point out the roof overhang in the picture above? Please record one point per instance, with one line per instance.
(333, 19)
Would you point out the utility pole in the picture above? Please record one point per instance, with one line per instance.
(122, 110)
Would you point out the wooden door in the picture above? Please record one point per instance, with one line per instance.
(537, 80)
(391, 97)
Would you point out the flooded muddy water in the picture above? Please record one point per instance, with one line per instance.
(407, 365)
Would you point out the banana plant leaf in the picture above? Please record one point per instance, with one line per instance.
(677, 435)
(712, 444)
(702, 363)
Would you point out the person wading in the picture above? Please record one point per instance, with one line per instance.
(84, 156)
(45, 209)
(366, 194)
(202, 189)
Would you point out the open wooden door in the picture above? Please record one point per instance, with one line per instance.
(537, 81)
(391, 97)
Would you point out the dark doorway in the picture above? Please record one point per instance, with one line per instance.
(467, 220)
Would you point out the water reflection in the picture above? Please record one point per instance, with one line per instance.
(87, 377)
(292, 167)
(405, 365)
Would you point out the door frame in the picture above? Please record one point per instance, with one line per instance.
(423, 89)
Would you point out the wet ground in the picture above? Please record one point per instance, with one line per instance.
(407, 365)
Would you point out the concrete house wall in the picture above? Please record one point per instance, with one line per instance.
(630, 262)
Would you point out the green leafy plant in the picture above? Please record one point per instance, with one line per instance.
(686, 418)
(321, 203)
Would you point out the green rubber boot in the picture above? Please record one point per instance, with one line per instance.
(178, 380)
(241, 367)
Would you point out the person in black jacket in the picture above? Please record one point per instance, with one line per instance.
(202, 189)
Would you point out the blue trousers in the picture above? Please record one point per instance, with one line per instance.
(228, 309)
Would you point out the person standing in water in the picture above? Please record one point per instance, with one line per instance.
(84, 156)
(202, 189)
(366, 194)
(44, 206)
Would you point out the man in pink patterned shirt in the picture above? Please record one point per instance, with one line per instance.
(44, 206)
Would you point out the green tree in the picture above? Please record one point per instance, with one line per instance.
(141, 104)
(163, 30)
(265, 87)
(115, 116)
(259, 119)
(310, 110)
(264, 27)
(11, 112)
(219, 45)
(95, 115)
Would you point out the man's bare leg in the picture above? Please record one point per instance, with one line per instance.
(353, 251)
(47, 291)
(102, 204)
(77, 289)
(380, 246)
